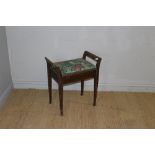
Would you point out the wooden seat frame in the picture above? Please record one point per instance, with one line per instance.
(53, 71)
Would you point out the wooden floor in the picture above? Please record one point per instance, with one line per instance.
(30, 109)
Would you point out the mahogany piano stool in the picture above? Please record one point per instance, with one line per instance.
(72, 71)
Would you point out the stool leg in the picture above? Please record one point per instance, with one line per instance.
(82, 87)
(61, 99)
(50, 90)
(49, 84)
(95, 90)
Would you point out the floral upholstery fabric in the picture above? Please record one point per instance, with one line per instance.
(76, 65)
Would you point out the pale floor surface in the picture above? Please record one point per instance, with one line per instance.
(30, 109)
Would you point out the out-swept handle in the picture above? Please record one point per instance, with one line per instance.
(93, 57)
(53, 68)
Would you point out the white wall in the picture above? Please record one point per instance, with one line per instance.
(5, 76)
(128, 54)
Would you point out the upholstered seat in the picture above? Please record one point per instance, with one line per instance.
(72, 71)
(75, 65)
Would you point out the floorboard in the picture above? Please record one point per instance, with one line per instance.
(29, 109)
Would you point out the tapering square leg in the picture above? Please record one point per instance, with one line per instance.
(49, 84)
(50, 90)
(61, 99)
(82, 87)
(95, 90)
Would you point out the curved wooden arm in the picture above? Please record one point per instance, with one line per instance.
(51, 67)
(93, 57)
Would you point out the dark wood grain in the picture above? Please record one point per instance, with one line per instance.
(53, 71)
(82, 87)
